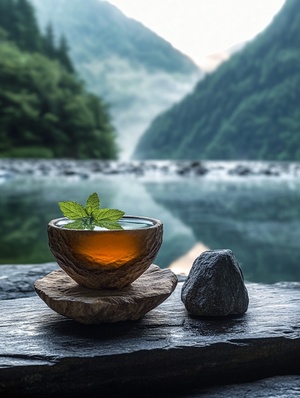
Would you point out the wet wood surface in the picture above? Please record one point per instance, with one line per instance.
(166, 352)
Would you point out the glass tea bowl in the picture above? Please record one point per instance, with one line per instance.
(106, 259)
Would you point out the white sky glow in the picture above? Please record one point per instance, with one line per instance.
(203, 29)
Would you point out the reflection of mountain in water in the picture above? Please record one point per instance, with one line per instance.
(258, 218)
(27, 204)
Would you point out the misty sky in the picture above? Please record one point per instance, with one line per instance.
(203, 29)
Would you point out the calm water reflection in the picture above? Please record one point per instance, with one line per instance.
(256, 217)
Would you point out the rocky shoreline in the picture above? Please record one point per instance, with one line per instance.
(9, 168)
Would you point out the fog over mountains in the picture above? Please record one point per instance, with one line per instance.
(247, 109)
(135, 71)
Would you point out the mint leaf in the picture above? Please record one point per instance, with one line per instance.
(92, 203)
(72, 210)
(78, 224)
(109, 225)
(101, 215)
(91, 215)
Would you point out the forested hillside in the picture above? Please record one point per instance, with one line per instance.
(137, 72)
(44, 108)
(247, 109)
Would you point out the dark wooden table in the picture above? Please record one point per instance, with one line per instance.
(166, 353)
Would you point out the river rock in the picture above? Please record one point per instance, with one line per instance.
(215, 285)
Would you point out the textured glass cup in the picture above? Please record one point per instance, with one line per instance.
(106, 259)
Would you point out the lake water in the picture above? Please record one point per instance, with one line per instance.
(257, 216)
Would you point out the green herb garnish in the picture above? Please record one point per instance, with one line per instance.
(91, 215)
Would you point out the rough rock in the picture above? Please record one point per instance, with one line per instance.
(167, 353)
(17, 280)
(88, 306)
(215, 285)
(272, 387)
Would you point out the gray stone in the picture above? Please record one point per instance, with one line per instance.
(90, 306)
(167, 353)
(17, 280)
(274, 387)
(215, 285)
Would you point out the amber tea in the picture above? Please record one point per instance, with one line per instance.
(106, 258)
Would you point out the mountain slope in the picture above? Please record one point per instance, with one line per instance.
(138, 73)
(45, 110)
(247, 109)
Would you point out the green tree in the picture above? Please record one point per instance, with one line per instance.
(62, 54)
(17, 18)
(45, 111)
(44, 108)
(49, 42)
